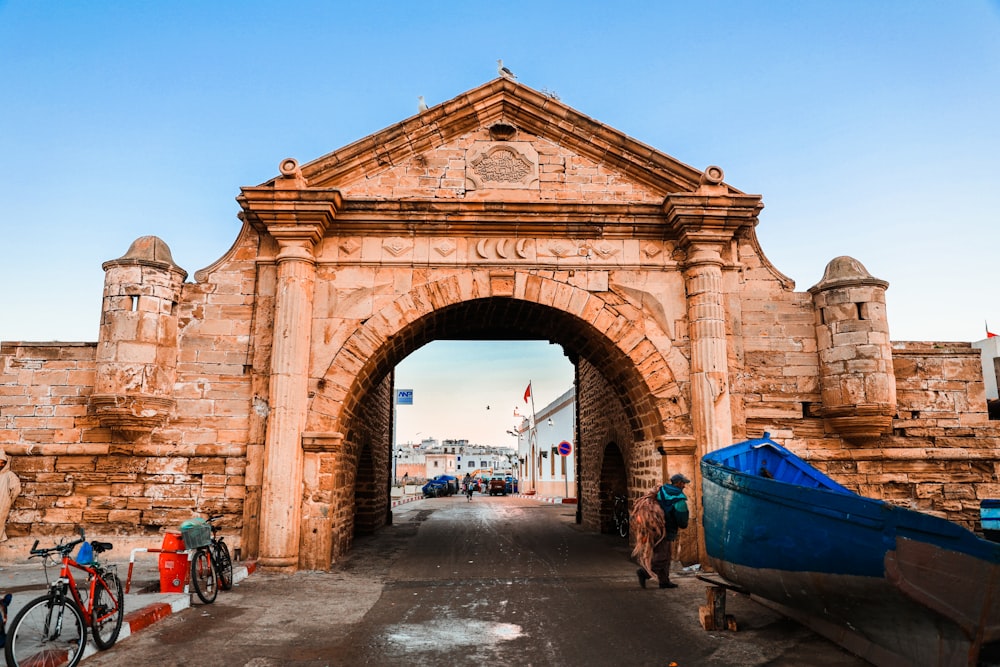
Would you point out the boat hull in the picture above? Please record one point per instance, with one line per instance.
(894, 586)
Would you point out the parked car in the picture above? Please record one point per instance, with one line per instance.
(442, 485)
(511, 484)
(435, 487)
(498, 485)
(452, 483)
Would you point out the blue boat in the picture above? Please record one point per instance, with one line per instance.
(892, 585)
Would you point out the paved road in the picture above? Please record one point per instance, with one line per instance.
(499, 581)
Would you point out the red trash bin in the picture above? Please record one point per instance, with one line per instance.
(173, 566)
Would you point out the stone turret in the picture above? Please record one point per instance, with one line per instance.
(855, 355)
(137, 345)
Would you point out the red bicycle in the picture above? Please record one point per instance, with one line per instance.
(51, 630)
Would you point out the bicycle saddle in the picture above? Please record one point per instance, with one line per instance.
(101, 546)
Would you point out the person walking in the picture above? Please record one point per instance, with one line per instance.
(657, 517)
(467, 486)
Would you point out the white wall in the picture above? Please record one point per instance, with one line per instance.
(990, 349)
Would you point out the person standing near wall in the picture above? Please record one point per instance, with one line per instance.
(10, 487)
(656, 519)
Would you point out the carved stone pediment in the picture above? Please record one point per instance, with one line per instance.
(502, 165)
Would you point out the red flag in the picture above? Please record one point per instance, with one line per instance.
(527, 393)
(988, 334)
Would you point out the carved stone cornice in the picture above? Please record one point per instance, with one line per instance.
(288, 210)
(329, 443)
(712, 214)
(676, 445)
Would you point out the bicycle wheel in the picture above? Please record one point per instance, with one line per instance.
(621, 523)
(223, 564)
(203, 577)
(109, 610)
(47, 631)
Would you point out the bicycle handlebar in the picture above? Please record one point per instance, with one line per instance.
(63, 549)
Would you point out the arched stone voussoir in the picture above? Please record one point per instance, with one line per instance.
(408, 322)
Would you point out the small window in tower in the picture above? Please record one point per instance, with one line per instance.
(861, 312)
(822, 315)
(135, 302)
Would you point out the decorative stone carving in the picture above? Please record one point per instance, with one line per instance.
(396, 246)
(350, 246)
(560, 249)
(445, 248)
(521, 248)
(131, 414)
(505, 165)
(606, 250)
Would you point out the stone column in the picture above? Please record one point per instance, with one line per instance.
(281, 494)
(706, 223)
(297, 217)
(711, 415)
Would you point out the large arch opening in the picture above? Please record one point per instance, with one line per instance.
(626, 392)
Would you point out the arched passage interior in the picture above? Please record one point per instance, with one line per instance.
(615, 402)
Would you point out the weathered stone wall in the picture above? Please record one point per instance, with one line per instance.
(74, 472)
(371, 489)
(943, 456)
(602, 424)
(78, 471)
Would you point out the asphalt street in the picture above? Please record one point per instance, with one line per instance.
(500, 581)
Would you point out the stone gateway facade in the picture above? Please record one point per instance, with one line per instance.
(262, 390)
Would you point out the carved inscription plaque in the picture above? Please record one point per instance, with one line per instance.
(501, 165)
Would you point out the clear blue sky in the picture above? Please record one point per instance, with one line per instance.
(870, 128)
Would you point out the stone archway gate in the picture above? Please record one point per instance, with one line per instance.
(260, 390)
(500, 194)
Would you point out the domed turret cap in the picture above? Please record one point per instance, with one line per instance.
(846, 271)
(148, 250)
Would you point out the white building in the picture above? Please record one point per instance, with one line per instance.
(990, 350)
(543, 469)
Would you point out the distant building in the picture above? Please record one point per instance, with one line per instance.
(542, 469)
(456, 457)
(990, 349)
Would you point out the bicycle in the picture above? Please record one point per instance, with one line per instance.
(620, 514)
(211, 564)
(221, 559)
(52, 629)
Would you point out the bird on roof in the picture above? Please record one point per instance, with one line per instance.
(504, 72)
(421, 105)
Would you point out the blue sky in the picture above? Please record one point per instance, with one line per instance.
(868, 127)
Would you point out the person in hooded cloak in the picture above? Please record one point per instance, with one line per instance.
(10, 487)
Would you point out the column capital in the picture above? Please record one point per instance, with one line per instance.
(713, 213)
(295, 218)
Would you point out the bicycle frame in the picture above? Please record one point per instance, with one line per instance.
(66, 580)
